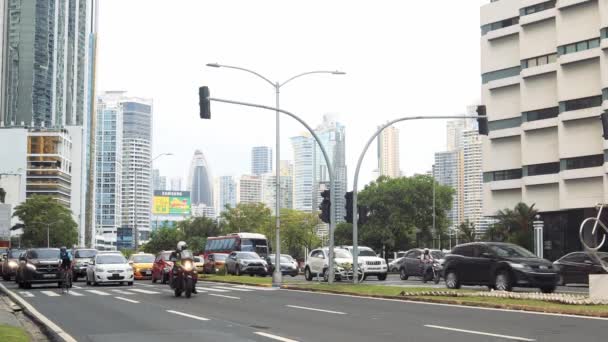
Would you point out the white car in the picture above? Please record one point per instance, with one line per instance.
(372, 264)
(317, 264)
(109, 268)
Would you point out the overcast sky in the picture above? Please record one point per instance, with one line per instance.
(401, 58)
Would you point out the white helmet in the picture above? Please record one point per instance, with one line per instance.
(181, 246)
(426, 251)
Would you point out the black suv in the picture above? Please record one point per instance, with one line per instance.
(500, 266)
(39, 265)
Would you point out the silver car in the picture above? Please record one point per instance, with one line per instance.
(239, 263)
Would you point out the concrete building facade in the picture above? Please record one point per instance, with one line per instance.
(388, 153)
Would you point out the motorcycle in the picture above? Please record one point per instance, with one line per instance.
(183, 277)
(432, 273)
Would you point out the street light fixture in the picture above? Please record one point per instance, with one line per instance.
(277, 276)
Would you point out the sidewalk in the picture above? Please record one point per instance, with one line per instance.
(7, 317)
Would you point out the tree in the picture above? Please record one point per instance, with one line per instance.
(400, 212)
(39, 212)
(343, 235)
(298, 231)
(517, 224)
(197, 230)
(163, 239)
(466, 231)
(248, 217)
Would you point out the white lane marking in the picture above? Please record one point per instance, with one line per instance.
(77, 287)
(453, 305)
(101, 293)
(188, 315)
(127, 300)
(140, 284)
(313, 309)
(257, 288)
(231, 288)
(515, 338)
(223, 296)
(123, 292)
(210, 289)
(26, 294)
(76, 294)
(50, 293)
(274, 337)
(144, 291)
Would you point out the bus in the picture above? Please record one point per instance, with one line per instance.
(240, 242)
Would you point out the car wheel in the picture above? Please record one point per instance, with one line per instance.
(451, 280)
(88, 281)
(237, 271)
(130, 283)
(27, 285)
(75, 278)
(402, 274)
(503, 281)
(326, 276)
(382, 277)
(547, 289)
(163, 278)
(6, 277)
(307, 274)
(153, 279)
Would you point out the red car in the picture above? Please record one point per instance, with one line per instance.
(162, 267)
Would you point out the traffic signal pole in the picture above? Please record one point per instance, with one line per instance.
(330, 168)
(356, 179)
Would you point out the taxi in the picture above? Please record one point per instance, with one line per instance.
(142, 265)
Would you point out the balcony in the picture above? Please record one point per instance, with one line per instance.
(506, 184)
(561, 4)
(578, 56)
(589, 172)
(593, 112)
(505, 133)
(539, 70)
(541, 179)
(504, 82)
(537, 17)
(539, 124)
(502, 32)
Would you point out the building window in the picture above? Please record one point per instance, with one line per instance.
(578, 46)
(499, 24)
(541, 169)
(582, 162)
(537, 8)
(499, 74)
(540, 114)
(504, 124)
(501, 175)
(604, 33)
(582, 103)
(538, 61)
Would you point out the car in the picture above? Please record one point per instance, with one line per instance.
(372, 264)
(317, 264)
(199, 263)
(142, 265)
(214, 262)
(411, 266)
(10, 263)
(575, 268)
(251, 263)
(39, 265)
(500, 266)
(82, 258)
(162, 267)
(289, 266)
(109, 268)
(393, 266)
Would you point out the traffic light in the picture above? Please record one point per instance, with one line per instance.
(325, 207)
(204, 103)
(349, 207)
(482, 122)
(604, 118)
(363, 214)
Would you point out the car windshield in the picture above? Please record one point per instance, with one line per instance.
(220, 257)
(111, 259)
(85, 253)
(248, 256)
(344, 254)
(367, 252)
(285, 260)
(143, 259)
(437, 254)
(14, 253)
(44, 254)
(511, 251)
(197, 259)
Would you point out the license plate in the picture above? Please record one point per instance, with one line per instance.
(48, 276)
(115, 275)
(148, 273)
(543, 267)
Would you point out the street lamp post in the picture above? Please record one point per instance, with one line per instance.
(276, 275)
(356, 180)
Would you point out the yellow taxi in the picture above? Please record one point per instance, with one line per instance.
(142, 265)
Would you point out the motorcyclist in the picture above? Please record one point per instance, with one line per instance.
(426, 258)
(176, 257)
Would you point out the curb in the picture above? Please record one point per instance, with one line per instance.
(52, 330)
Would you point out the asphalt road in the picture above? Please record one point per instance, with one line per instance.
(394, 280)
(221, 312)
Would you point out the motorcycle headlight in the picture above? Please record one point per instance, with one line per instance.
(31, 267)
(187, 265)
(12, 264)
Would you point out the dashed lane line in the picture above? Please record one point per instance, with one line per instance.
(274, 337)
(232, 288)
(26, 294)
(144, 291)
(97, 292)
(512, 338)
(211, 289)
(50, 293)
(123, 292)
(127, 300)
(315, 309)
(76, 294)
(223, 296)
(188, 315)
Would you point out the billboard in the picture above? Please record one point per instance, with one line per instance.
(171, 203)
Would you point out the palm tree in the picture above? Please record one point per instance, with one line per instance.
(517, 224)
(466, 231)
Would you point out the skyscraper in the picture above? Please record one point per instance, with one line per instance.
(446, 172)
(473, 179)
(303, 175)
(388, 153)
(249, 189)
(261, 160)
(159, 182)
(227, 193)
(269, 191)
(175, 184)
(137, 171)
(199, 180)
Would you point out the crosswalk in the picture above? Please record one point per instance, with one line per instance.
(216, 289)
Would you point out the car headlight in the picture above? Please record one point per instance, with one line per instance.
(31, 267)
(129, 269)
(244, 262)
(97, 269)
(519, 266)
(556, 267)
(12, 264)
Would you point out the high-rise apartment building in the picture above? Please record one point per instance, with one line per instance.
(544, 82)
(269, 191)
(137, 170)
(226, 189)
(249, 189)
(446, 171)
(473, 179)
(303, 175)
(175, 184)
(159, 182)
(199, 180)
(261, 160)
(388, 153)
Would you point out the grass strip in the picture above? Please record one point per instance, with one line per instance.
(244, 280)
(13, 334)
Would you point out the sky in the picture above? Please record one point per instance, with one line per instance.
(401, 58)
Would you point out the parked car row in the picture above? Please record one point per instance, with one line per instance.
(369, 264)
